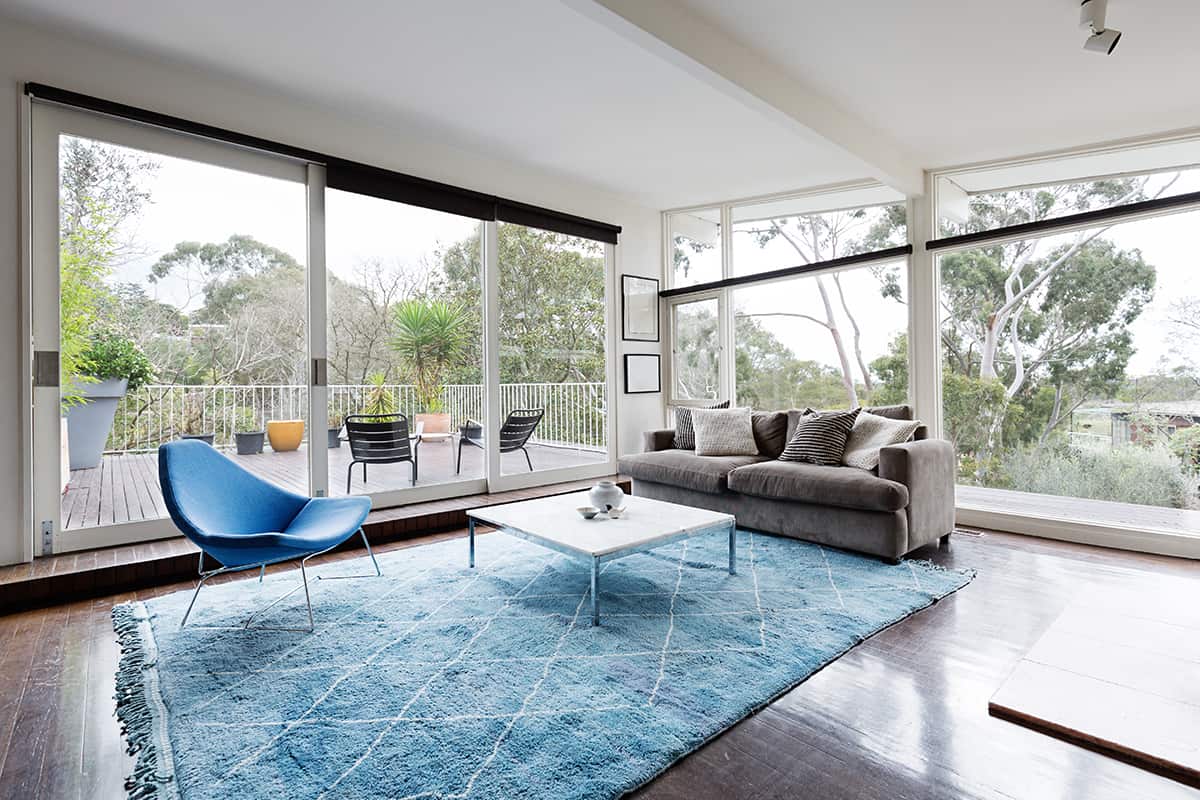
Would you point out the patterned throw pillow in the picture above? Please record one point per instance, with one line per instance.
(820, 438)
(872, 432)
(724, 432)
(685, 434)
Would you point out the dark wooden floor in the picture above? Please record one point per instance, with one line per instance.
(904, 715)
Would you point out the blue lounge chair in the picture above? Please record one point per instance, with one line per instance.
(243, 521)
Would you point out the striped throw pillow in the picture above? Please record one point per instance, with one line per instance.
(685, 432)
(820, 438)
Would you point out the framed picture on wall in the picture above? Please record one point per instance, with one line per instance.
(639, 308)
(643, 373)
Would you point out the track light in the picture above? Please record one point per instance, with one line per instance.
(1100, 39)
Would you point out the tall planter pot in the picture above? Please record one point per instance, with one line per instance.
(89, 423)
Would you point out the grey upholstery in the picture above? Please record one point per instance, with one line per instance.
(844, 487)
(685, 468)
(907, 503)
(878, 533)
(770, 432)
(927, 468)
(891, 412)
(653, 441)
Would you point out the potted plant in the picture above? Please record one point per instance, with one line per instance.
(335, 429)
(431, 337)
(193, 419)
(247, 434)
(109, 367)
(379, 399)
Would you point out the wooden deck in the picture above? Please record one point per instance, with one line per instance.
(1177, 521)
(125, 488)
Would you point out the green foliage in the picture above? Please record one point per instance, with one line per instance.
(770, 376)
(380, 399)
(1145, 476)
(431, 338)
(892, 370)
(113, 356)
(1185, 445)
(551, 300)
(85, 256)
(245, 421)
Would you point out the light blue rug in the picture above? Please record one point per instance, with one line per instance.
(437, 681)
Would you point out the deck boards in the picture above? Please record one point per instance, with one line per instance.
(1098, 512)
(125, 488)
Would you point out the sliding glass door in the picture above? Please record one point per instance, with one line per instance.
(328, 341)
(405, 348)
(170, 287)
(552, 309)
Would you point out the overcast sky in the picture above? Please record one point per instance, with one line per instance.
(200, 202)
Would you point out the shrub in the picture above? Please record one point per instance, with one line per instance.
(1185, 444)
(111, 356)
(1142, 475)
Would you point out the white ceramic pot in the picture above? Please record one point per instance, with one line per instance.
(605, 495)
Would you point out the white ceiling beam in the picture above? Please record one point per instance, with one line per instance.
(672, 32)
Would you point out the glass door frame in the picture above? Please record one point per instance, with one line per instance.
(46, 123)
(497, 481)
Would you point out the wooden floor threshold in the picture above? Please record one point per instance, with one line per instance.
(95, 573)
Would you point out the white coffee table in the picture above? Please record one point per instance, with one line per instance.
(646, 524)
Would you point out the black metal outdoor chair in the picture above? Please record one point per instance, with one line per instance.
(380, 439)
(514, 433)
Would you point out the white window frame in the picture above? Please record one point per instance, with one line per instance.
(927, 372)
(922, 399)
(42, 125)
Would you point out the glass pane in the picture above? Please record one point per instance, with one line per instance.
(183, 308)
(1070, 363)
(695, 247)
(833, 340)
(405, 344)
(696, 351)
(553, 388)
(975, 206)
(782, 234)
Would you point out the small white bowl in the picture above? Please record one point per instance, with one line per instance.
(615, 513)
(587, 512)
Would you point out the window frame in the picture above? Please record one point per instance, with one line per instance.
(727, 379)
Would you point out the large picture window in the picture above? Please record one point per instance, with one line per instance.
(1069, 361)
(820, 335)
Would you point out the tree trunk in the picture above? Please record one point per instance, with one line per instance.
(843, 357)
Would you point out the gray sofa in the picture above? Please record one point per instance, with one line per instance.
(905, 504)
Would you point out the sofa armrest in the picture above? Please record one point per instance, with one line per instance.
(653, 441)
(928, 468)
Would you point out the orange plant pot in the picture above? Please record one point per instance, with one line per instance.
(285, 434)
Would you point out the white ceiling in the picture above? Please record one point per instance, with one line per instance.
(527, 80)
(537, 82)
(964, 80)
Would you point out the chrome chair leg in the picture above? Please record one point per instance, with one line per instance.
(204, 576)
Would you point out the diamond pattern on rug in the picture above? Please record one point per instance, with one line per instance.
(439, 681)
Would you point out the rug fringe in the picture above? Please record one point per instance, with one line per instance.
(134, 711)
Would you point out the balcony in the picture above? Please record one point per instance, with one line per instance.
(124, 487)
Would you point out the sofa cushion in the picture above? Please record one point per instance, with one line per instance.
(685, 434)
(820, 438)
(770, 432)
(724, 432)
(684, 468)
(845, 487)
(891, 412)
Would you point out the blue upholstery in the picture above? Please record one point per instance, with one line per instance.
(242, 520)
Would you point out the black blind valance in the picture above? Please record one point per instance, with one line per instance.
(352, 176)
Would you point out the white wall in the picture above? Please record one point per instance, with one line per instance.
(29, 54)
